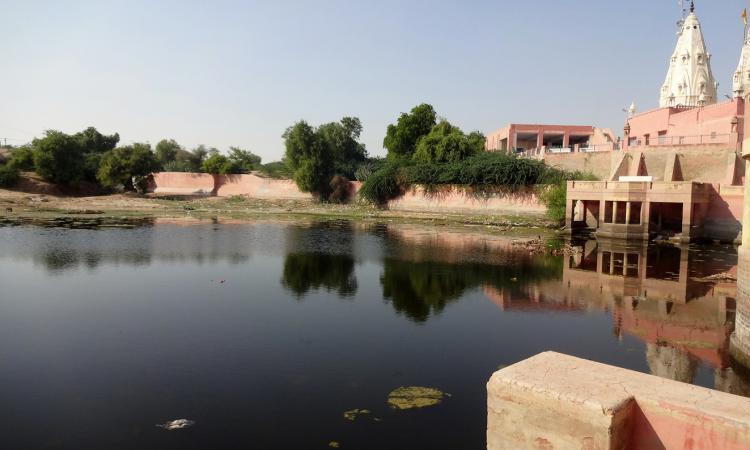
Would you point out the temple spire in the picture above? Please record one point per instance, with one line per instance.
(689, 80)
(741, 79)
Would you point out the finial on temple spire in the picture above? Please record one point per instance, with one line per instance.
(692, 6)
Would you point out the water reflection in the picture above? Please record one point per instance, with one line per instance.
(432, 306)
(668, 297)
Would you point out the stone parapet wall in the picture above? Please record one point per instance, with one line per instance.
(258, 187)
(558, 401)
(183, 183)
(454, 199)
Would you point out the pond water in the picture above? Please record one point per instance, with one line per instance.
(264, 334)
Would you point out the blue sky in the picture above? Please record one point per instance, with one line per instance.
(226, 73)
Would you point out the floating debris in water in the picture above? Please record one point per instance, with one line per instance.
(415, 397)
(177, 424)
(334, 444)
(353, 413)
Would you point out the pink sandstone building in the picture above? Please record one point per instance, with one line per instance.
(528, 138)
(661, 180)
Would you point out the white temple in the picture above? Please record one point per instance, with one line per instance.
(741, 79)
(689, 81)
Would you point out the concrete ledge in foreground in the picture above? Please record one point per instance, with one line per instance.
(556, 401)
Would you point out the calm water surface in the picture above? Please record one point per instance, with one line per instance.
(105, 333)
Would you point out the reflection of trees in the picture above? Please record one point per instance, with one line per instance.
(306, 271)
(421, 289)
(320, 255)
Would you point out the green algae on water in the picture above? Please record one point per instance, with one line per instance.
(411, 397)
(354, 413)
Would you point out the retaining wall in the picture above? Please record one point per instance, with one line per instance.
(452, 199)
(557, 401)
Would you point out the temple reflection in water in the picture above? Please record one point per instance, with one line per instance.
(679, 300)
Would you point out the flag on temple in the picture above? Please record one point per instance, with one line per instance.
(744, 16)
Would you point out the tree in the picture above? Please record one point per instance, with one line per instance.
(93, 146)
(401, 139)
(244, 160)
(218, 164)
(309, 159)
(22, 158)
(446, 143)
(120, 166)
(342, 141)
(58, 157)
(166, 151)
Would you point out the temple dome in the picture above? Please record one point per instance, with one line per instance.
(689, 80)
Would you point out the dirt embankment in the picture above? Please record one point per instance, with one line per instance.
(35, 199)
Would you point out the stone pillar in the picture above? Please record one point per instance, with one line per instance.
(569, 210)
(645, 218)
(687, 221)
(740, 341)
(627, 213)
(566, 139)
(540, 139)
(614, 212)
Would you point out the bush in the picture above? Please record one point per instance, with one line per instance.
(121, 165)
(554, 193)
(384, 184)
(340, 189)
(22, 158)
(57, 158)
(481, 171)
(9, 175)
(554, 197)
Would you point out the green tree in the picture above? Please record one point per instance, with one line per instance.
(402, 138)
(166, 151)
(93, 146)
(446, 143)
(220, 164)
(22, 158)
(244, 160)
(119, 167)
(58, 157)
(341, 138)
(308, 158)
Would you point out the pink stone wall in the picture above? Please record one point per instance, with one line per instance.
(258, 187)
(183, 183)
(455, 200)
(557, 401)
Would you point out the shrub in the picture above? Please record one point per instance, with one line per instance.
(554, 193)
(340, 189)
(121, 165)
(9, 175)
(384, 184)
(554, 197)
(57, 158)
(22, 158)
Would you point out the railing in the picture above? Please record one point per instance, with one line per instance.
(713, 138)
(560, 150)
(608, 147)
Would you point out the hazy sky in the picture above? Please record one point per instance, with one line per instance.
(226, 73)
